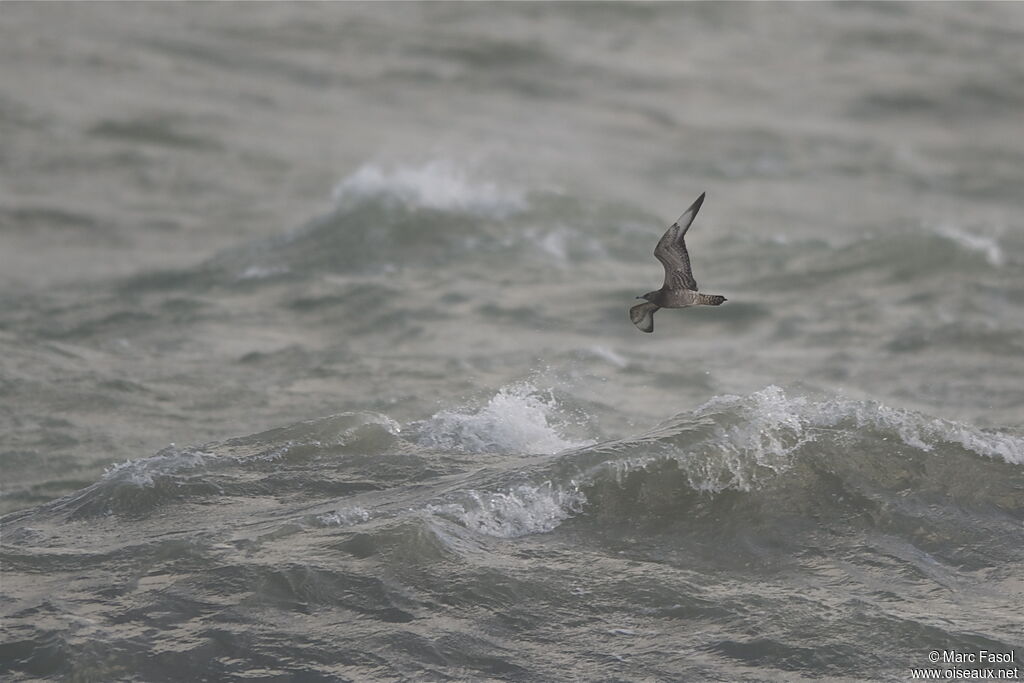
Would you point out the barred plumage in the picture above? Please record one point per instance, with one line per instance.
(680, 288)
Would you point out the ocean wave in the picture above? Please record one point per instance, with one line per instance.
(344, 516)
(777, 415)
(746, 445)
(386, 220)
(135, 488)
(891, 258)
(517, 419)
(439, 185)
(518, 511)
(985, 245)
(741, 442)
(364, 432)
(730, 444)
(145, 473)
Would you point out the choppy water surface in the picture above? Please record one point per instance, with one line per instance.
(366, 269)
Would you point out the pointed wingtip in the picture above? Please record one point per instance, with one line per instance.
(691, 213)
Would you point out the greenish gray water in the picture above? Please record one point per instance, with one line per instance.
(366, 268)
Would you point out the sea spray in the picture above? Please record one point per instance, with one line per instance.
(439, 184)
(517, 419)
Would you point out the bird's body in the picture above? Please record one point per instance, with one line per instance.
(679, 289)
(676, 298)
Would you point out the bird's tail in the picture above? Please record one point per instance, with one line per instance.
(642, 316)
(711, 299)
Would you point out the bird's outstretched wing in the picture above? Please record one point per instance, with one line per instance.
(671, 250)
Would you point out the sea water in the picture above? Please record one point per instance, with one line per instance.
(316, 363)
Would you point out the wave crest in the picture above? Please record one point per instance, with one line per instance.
(762, 433)
(518, 511)
(762, 444)
(438, 184)
(517, 419)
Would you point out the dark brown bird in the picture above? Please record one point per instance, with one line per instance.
(680, 289)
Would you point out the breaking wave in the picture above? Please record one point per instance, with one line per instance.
(517, 511)
(540, 476)
(439, 185)
(756, 444)
(517, 419)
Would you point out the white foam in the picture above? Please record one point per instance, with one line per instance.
(518, 419)
(753, 435)
(758, 436)
(916, 430)
(776, 425)
(257, 272)
(142, 472)
(519, 511)
(987, 246)
(434, 185)
(344, 516)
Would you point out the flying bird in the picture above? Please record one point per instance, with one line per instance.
(680, 289)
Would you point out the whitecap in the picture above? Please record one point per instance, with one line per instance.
(518, 419)
(437, 184)
(728, 443)
(739, 443)
(777, 424)
(769, 429)
(144, 472)
(517, 511)
(257, 272)
(982, 244)
(344, 516)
